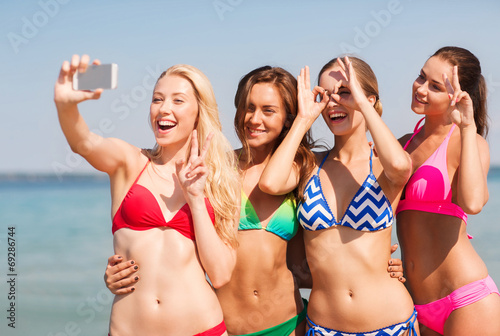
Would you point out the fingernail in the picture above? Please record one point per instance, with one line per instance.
(400, 278)
(390, 269)
(136, 278)
(136, 267)
(132, 289)
(393, 274)
(119, 258)
(390, 262)
(132, 262)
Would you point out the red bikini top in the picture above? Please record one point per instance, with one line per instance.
(140, 211)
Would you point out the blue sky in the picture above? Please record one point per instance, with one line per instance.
(225, 39)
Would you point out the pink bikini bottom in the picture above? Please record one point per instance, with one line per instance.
(434, 314)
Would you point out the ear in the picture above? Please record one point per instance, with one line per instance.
(372, 99)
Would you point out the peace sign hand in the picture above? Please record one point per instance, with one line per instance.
(193, 175)
(357, 97)
(308, 108)
(461, 109)
(63, 89)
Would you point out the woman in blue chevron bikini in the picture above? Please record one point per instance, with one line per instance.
(347, 209)
(262, 297)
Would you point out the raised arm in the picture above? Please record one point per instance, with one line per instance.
(104, 154)
(474, 154)
(394, 159)
(281, 174)
(217, 258)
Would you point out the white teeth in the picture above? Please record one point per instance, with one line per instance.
(420, 101)
(252, 130)
(337, 115)
(166, 123)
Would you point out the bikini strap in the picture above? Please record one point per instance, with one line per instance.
(415, 132)
(450, 132)
(322, 162)
(143, 169)
(371, 155)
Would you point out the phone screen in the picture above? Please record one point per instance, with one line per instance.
(103, 76)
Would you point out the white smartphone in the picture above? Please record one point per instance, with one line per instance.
(103, 76)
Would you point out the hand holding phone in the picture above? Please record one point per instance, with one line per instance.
(102, 76)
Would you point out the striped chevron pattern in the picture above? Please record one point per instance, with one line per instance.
(369, 210)
(393, 330)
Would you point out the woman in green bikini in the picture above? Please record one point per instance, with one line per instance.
(262, 297)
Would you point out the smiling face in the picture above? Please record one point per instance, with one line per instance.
(265, 116)
(173, 111)
(338, 118)
(430, 96)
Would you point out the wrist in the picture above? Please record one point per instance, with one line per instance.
(303, 124)
(471, 128)
(195, 202)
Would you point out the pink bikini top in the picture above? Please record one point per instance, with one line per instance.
(429, 188)
(140, 211)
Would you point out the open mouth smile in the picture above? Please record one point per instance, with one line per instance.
(165, 125)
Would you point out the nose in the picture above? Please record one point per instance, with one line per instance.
(256, 117)
(332, 101)
(166, 107)
(421, 89)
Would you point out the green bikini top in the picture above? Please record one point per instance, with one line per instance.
(283, 223)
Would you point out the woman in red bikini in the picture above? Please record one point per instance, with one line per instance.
(174, 207)
(447, 279)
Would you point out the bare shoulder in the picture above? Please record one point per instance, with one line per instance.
(404, 139)
(482, 143)
(134, 158)
(320, 156)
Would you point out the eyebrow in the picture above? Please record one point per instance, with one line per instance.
(435, 81)
(173, 94)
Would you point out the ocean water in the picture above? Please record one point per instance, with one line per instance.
(62, 239)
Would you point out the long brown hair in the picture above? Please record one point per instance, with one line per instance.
(471, 80)
(286, 84)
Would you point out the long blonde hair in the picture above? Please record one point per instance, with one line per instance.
(223, 183)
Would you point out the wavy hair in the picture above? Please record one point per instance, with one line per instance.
(223, 183)
(286, 84)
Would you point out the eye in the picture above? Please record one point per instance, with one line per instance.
(156, 99)
(268, 110)
(420, 78)
(178, 101)
(344, 91)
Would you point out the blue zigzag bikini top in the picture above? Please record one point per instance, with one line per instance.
(369, 210)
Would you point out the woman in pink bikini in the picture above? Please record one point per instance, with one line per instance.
(174, 206)
(447, 279)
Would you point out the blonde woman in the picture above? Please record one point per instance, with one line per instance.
(174, 207)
